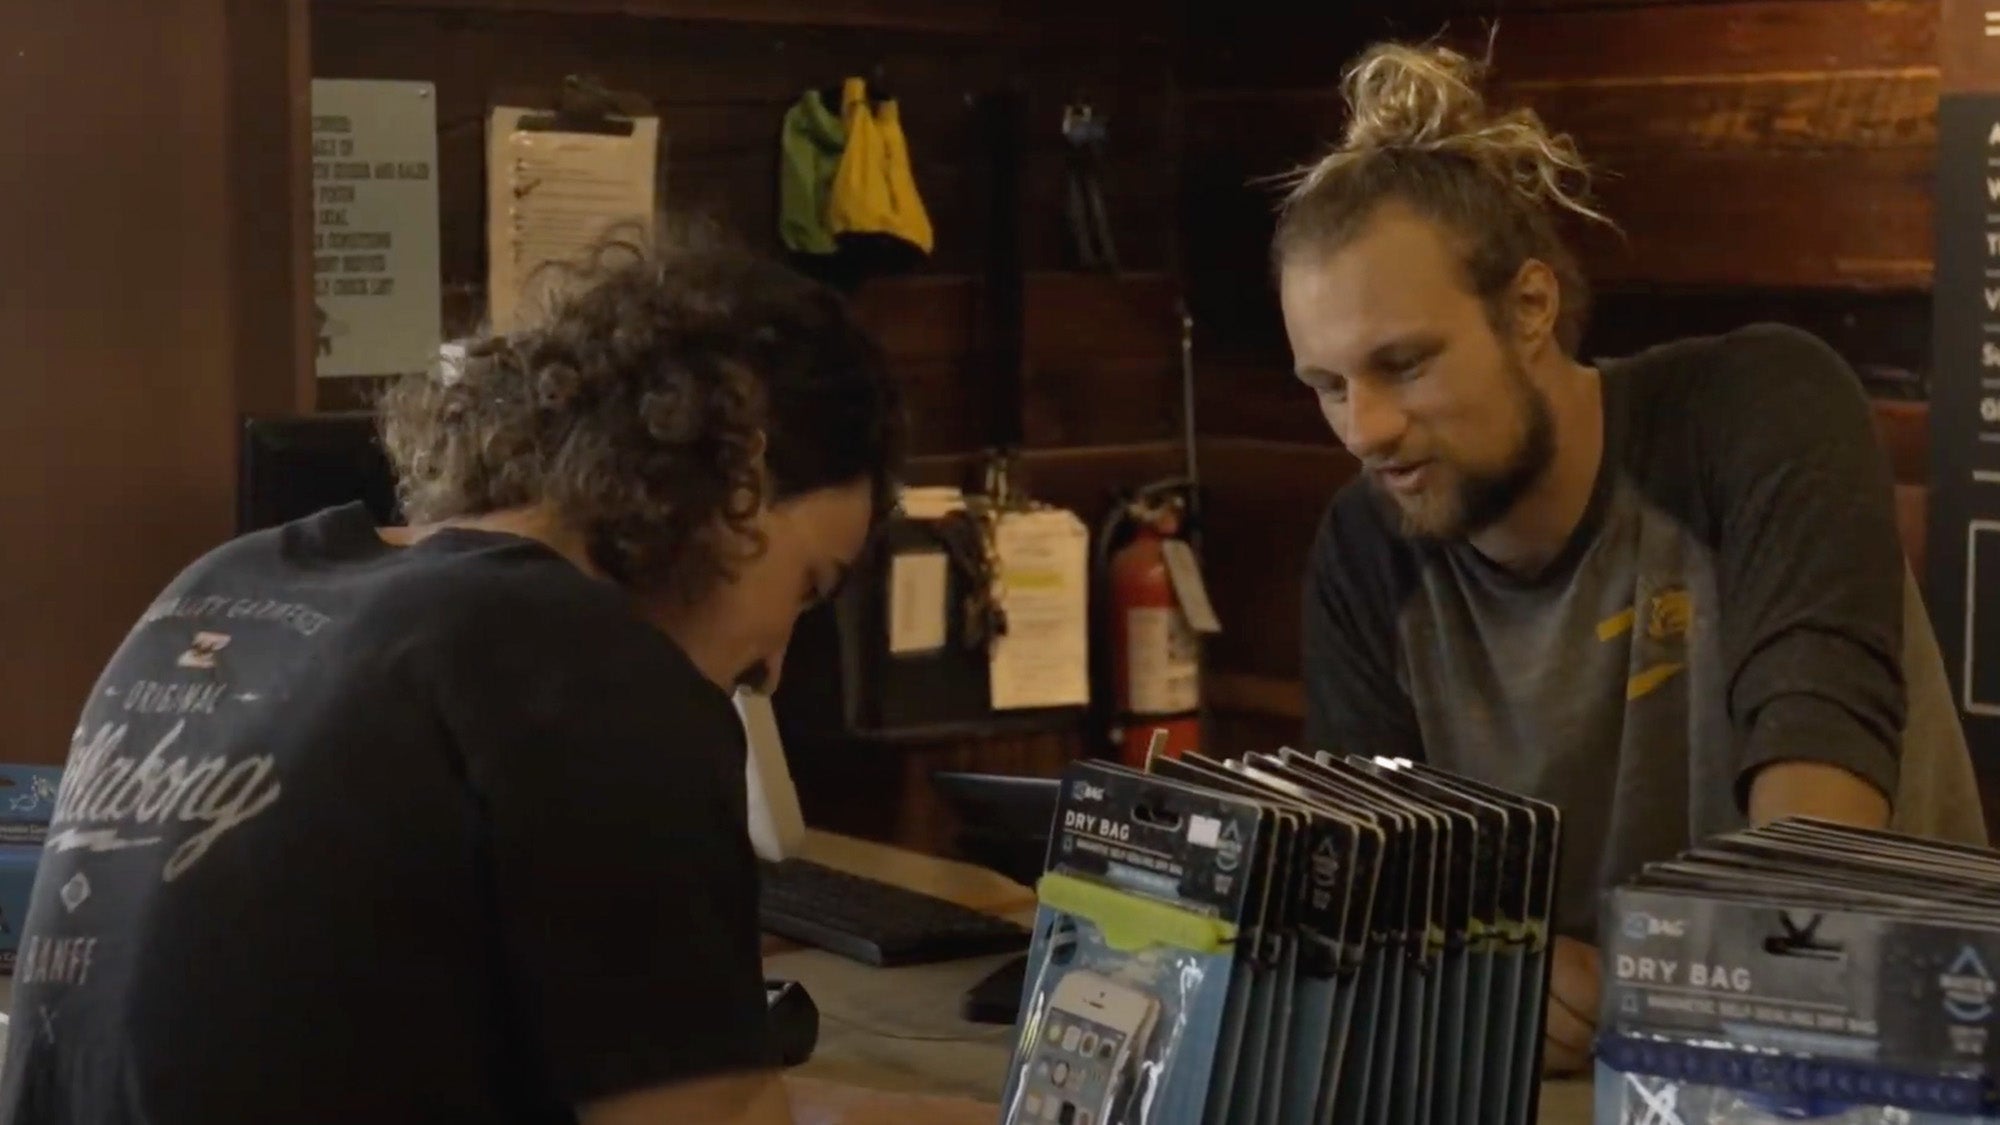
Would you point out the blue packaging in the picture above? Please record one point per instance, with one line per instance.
(1139, 939)
(1803, 971)
(27, 804)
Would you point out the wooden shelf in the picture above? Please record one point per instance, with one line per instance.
(1275, 696)
(1019, 22)
(958, 17)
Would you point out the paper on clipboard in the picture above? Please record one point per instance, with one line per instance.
(1043, 660)
(551, 195)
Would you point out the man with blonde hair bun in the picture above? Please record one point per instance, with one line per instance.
(1664, 592)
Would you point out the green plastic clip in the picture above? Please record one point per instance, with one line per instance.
(1130, 922)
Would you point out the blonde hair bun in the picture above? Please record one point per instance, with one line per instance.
(1403, 98)
(1400, 96)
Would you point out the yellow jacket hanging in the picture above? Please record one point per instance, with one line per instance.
(874, 191)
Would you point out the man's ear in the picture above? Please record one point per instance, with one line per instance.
(1536, 297)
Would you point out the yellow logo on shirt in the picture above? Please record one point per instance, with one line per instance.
(1669, 615)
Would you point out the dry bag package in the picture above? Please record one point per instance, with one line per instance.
(1286, 939)
(1135, 943)
(1803, 970)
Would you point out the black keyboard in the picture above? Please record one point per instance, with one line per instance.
(874, 922)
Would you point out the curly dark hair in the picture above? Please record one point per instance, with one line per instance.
(659, 400)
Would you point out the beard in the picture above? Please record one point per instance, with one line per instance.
(1477, 499)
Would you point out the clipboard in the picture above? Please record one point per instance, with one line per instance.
(561, 183)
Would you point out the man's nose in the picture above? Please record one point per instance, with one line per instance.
(1370, 423)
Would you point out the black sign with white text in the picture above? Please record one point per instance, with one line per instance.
(1963, 587)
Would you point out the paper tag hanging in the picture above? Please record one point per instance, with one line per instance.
(1189, 589)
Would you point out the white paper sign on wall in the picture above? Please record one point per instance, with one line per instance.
(375, 226)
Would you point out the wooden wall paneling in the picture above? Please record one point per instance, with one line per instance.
(1722, 38)
(1102, 358)
(1135, 93)
(1844, 214)
(962, 17)
(1003, 127)
(926, 324)
(1436, 13)
(721, 92)
(1256, 396)
(1253, 47)
(1028, 20)
(271, 241)
(1779, 182)
(1086, 479)
(1238, 144)
(722, 89)
(1754, 143)
(1968, 53)
(1904, 430)
(1765, 143)
(134, 327)
(1264, 502)
(1082, 479)
(1232, 731)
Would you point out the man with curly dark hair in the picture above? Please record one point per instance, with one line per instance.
(446, 821)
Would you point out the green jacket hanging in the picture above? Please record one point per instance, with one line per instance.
(810, 145)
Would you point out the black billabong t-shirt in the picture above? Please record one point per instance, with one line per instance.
(352, 832)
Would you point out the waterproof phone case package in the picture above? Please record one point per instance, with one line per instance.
(1804, 970)
(1459, 999)
(1331, 894)
(1400, 1024)
(1506, 1086)
(1320, 921)
(1468, 884)
(1243, 1038)
(1287, 939)
(1249, 1090)
(1135, 947)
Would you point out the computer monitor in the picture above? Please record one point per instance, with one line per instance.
(290, 467)
(1004, 821)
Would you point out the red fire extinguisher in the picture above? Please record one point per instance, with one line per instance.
(1155, 652)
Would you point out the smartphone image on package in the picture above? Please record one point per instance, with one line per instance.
(1095, 1027)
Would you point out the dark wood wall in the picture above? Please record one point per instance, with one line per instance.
(145, 301)
(980, 95)
(1080, 370)
(1765, 159)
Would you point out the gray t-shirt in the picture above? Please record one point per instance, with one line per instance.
(1735, 595)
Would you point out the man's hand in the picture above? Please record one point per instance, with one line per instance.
(1573, 992)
